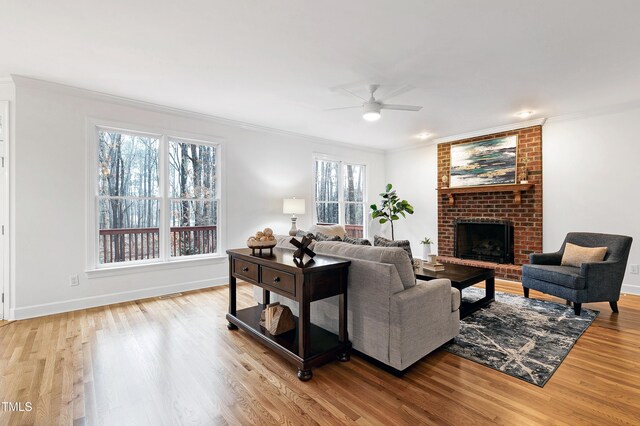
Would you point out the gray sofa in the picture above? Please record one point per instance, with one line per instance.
(391, 317)
(591, 282)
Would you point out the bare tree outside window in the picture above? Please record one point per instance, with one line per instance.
(128, 196)
(192, 193)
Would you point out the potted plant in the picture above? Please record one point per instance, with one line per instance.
(426, 247)
(391, 208)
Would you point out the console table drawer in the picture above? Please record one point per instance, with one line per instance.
(246, 270)
(279, 280)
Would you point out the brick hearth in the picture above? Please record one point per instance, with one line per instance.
(526, 217)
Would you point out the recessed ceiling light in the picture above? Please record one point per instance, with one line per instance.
(525, 114)
(423, 136)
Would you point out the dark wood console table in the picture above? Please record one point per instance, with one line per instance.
(307, 345)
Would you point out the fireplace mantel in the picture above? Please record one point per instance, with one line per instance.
(515, 188)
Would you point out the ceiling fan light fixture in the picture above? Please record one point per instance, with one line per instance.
(371, 111)
(371, 116)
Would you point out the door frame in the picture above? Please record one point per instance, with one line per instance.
(5, 139)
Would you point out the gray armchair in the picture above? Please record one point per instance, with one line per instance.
(591, 282)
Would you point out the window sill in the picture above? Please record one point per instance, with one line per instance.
(155, 266)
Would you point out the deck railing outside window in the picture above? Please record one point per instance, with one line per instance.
(119, 245)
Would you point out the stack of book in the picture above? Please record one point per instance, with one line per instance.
(435, 266)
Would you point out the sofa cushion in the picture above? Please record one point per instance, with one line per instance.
(307, 234)
(323, 237)
(284, 241)
(575, 255)
(330, 230)
(390, 255)
(356, 241)
(404, 244)
(565, 276)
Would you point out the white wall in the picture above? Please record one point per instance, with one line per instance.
(413, 173)
(260, 168)
(590, 179)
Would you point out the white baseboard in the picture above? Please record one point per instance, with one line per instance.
(630, 289)
(108, 299)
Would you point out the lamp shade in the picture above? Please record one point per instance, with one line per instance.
(293, 206)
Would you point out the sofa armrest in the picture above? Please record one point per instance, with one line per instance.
(545, 258)
(421, 321)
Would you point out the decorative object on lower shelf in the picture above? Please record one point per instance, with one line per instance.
(261, 241)
(277, 319)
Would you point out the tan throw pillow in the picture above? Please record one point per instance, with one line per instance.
(576, 255)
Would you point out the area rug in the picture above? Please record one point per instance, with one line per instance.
(524, 338)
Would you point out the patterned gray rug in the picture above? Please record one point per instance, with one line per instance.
(524, 338)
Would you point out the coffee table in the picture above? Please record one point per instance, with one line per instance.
(463, 276)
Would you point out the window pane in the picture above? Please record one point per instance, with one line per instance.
(327, 212)
(192, 170)
(327, 180)
(128, 230)
(194, 227)
(354, 219)
(353, 182)
(127, 165)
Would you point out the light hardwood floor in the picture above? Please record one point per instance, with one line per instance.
(174, 362)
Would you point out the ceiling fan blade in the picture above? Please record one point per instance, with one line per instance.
(349, 107)
(398, 92)
(353, 94)
(401, 107)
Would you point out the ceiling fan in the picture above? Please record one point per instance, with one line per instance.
(372, 106)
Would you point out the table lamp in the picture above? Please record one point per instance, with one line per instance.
(293, 206)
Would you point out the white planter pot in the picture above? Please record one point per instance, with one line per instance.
(426, 251)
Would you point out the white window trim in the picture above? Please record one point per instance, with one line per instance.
(341, 202)
(94, 267)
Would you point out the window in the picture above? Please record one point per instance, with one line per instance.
(192, 194)
(339, 195)
(157, 197)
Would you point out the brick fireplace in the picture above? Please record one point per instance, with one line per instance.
(523, 210)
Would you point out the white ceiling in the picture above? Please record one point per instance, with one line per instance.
(473, 63)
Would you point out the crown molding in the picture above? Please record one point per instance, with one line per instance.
(594, 112)
(25, 81)
(412, 147)
(491, 130)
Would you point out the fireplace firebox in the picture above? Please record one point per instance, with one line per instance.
(491, 241)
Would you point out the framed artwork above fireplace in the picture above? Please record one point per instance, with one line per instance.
(487, 162)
